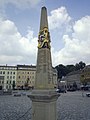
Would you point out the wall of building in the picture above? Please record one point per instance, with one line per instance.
(7, 76)
(25, 76)
(73, 78)
(20, 75)
(85, 75)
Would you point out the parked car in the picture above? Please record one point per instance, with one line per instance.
(86, 87)
(60, 90)
(71, 89)
(88, 94)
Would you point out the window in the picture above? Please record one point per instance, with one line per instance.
(14, 73)
(0, 72)
(13, 82)
(1, 77)
(3, 72)
(7, 77)
(7, 87)
(7, 72)
(19, 77)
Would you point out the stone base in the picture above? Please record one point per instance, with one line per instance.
(44, 104)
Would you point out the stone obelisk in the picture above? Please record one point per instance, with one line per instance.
(44, 62)
(44, 96)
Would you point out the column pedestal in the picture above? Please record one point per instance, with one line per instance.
(44, 104)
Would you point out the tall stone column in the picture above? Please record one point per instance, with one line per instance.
(44, 96)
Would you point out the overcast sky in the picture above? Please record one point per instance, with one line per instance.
(69, 26)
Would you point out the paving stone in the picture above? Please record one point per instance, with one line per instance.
(70, 106)
(73, 106)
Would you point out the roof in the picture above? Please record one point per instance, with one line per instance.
(74, 72)
(26, 66)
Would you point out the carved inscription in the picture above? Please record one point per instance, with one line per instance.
(49, 74)
(44, 65)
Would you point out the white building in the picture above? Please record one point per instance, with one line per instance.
(20, 75)
(7, 76)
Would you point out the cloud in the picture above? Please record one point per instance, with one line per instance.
(60, 23)
(20, 3)
(14, 48)
(59, 19)
(77, 45)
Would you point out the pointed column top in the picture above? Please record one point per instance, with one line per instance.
(43, 21)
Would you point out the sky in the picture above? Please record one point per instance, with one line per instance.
(69, 27)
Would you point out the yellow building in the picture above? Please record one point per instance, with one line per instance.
(25, 76)
(85, 75)
(20, 76)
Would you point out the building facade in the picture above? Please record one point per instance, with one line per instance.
(20, 77)
(7, 77)
(25, 76)
(85, 75)
(73, 78)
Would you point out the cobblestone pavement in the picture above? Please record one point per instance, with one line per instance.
(70, 106)
(15, 108)
(73, 106)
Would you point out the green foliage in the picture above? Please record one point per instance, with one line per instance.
(80, 65)
(61, 69)
(70, 68)
(64, 70)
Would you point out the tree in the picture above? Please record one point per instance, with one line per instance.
(80, 65)
(64, 70)
(77, 67)
(70, 68)
(61, 69)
